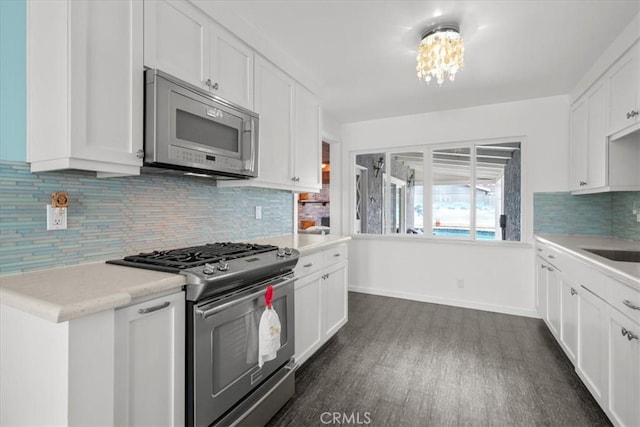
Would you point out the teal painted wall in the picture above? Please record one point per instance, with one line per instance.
(13, 76)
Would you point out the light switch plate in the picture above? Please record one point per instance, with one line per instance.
(258, 212)
(56, 218)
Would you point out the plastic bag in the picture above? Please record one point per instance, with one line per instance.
(268, 331)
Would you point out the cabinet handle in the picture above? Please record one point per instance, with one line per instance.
(551, 256)
(574, 292)
(549, 268)
(543, 266)
(583, 183)
(631, 336)
(154, 308)
(336, 255)
(631, 305)
(208, 82)
(632, 114)
(293, 179)
(624, 332)
(539, 250)
(215, 86)
(140, 154)
(308, 265)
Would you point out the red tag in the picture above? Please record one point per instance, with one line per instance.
(268, 296)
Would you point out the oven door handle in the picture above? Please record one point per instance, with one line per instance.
(210, 312)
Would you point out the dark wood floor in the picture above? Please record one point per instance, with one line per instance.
(408, 363)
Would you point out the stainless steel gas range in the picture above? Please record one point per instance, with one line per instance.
(225, 287)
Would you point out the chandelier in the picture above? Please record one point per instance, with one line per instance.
(441, 51)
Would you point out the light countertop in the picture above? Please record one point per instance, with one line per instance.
(65, 293)
(627, 272)
(305, 243)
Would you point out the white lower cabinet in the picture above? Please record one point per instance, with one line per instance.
(553, 300)
(624, 370)
(598, 329)
(569, 318)
(335, 299)
(149, 363)
(592, 344)
(321, 299)
(308, 297)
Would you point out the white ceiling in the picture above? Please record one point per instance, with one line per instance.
(363, 52)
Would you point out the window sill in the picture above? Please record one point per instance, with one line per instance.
(421, 238)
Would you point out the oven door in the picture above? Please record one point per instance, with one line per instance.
(225, 344)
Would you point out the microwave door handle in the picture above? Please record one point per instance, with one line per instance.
(210, 312)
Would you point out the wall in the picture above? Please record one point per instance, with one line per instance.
(114, 217)
(13, 75)
(512, 197)
(605, 214)
(496, 276)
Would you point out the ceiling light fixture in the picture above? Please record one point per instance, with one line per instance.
(440, 51)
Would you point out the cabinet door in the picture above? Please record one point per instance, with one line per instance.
(592, 344)
(569, 318)
(623, 101)
(596, 139)
(579, 140)
(308, 298)
(624, 370)
(106, 84)
(553, 300)
(231, 68)
(335, 299)
(541, 288)
(149, 363)
(273, 102)
(308, 144)
(176, 40)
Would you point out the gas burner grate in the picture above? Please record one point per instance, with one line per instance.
(194, 256)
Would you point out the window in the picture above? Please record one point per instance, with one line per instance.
(462, 191)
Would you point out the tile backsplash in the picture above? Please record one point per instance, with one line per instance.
(603, 214)
(113, 217)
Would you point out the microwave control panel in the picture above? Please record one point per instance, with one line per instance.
(204, 160)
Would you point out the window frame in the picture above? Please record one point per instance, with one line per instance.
(427, 150)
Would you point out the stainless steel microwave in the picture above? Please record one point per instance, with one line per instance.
(191, 131)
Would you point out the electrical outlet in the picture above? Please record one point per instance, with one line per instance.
(56, 218)
(460, 283)
(258, 212)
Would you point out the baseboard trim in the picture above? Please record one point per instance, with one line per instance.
(447, 301)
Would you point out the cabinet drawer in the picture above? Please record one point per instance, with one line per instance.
(551, 255)
(625, 298)
(335, 254)
(308, 264)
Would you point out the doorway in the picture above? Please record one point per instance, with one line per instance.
(314, 208)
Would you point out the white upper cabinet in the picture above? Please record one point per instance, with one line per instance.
(578, 144)
(307, 165)
(624, 98)
(274, 93)
(184, 42)
(85, 95)
(231, 65)
(289, 135)
(176, 40)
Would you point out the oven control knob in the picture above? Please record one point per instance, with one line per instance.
(280, 253)
(288, 251)
(223, 266)
(209, 269)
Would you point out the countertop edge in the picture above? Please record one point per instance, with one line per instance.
(606, 267)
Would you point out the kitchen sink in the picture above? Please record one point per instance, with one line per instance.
(614, 255)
